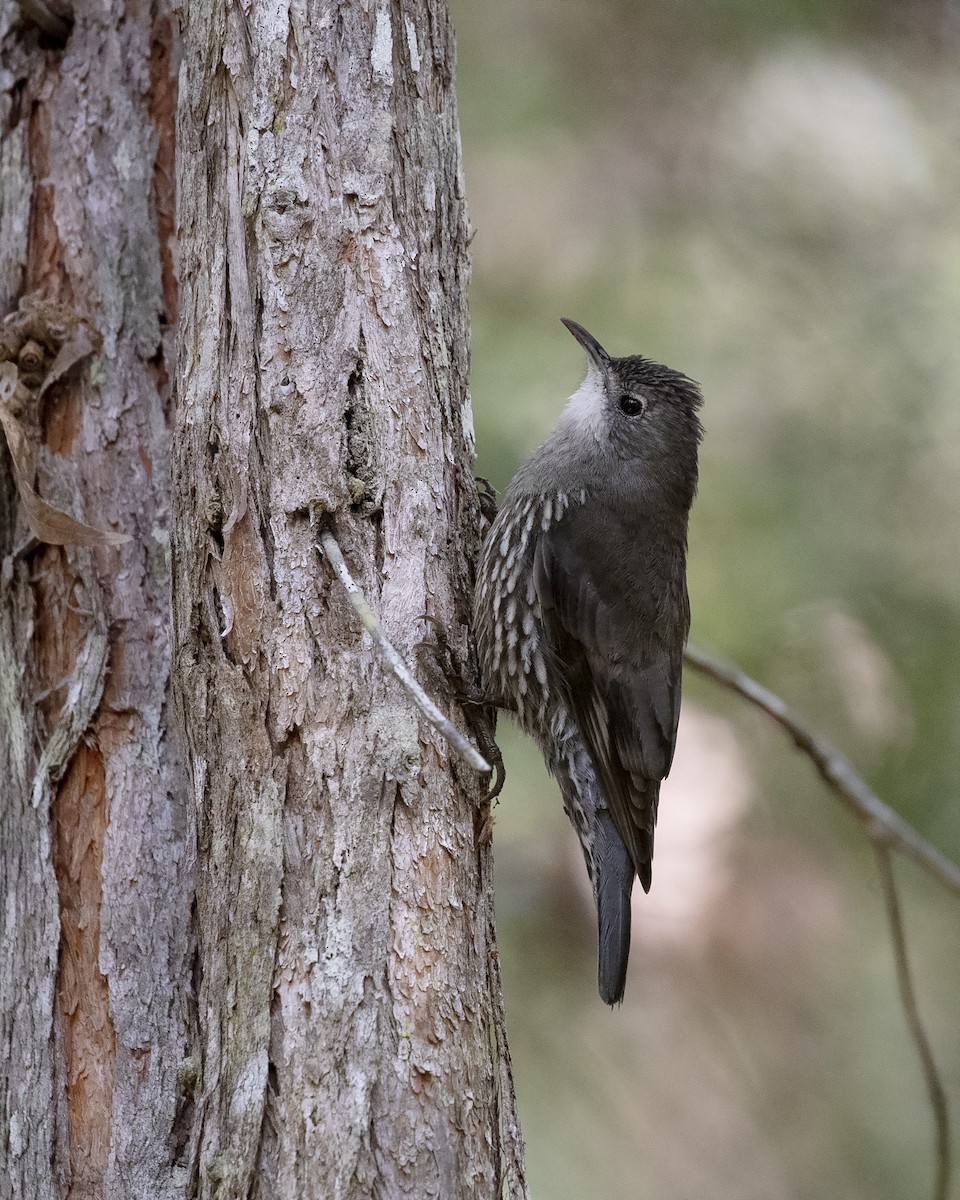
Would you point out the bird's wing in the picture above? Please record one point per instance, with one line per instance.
(622, 679)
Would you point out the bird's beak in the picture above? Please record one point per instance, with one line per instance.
(598, 356)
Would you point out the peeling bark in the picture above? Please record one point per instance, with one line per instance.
(95, 847)
(89, 1037)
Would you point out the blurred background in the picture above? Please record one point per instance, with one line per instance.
(763, 194)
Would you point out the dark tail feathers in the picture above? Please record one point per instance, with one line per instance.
(615, 875)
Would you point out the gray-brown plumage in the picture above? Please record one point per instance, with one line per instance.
(582, 614)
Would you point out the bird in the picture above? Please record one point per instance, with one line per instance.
(581, 614)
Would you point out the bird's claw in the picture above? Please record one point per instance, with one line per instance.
(444, 664)
(487, 495)
(484, 819)
(492, 752)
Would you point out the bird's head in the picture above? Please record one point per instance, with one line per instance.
(637, 411)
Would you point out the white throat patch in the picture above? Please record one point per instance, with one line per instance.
(584, 409)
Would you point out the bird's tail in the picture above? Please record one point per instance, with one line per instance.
(608, 863)
(613, 885)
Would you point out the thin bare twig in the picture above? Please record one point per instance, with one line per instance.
(883, 824)
(887, 830)
(445, 728)
(908, 1000)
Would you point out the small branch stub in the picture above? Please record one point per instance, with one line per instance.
(444, 727)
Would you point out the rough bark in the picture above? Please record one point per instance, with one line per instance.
(95, 837)
(262, 964)
(346, 1037)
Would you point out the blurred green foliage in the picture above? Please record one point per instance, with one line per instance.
(765, 196)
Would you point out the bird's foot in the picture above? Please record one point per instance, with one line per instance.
(487, 495)
(445, 673)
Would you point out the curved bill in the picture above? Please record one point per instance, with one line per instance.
(598, 355)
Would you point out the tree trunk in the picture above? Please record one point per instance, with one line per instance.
(256, 960)
(95, 841)
(341, 923)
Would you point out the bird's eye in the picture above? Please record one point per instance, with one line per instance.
(632, 406)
